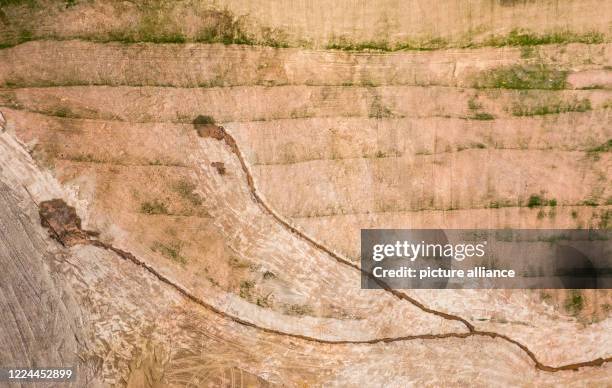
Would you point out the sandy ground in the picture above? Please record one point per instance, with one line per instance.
(239, 254)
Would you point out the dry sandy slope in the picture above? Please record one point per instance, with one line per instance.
(306, 23)
(335, 141)
(229, 221)
(145, 331)
(239, 219)
(66, 63)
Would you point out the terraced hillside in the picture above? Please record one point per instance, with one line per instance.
(222, 159)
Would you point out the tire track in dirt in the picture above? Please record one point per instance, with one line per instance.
(219, 133)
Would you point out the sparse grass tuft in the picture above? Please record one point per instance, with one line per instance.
(246, 289)
(482, 116)
(171, 251)
(186, 190)
(153, 207)
(604, 147)
(519, 37)
(590, 202)
(500, 204)
(360, 46)
(223, 27)
(235, 262)
(523, 77)
(298, 310)
(552, 108)
(204, 120)
(604, 220)
(381, 45)
(575, 302)
(534, 201)
(592, 87)
(64, 112)
(6, 3)
(264, 301)
(473, 104)
(85, 158)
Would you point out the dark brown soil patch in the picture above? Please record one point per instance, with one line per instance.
(210, 130)
(220, 166)
(63, 222)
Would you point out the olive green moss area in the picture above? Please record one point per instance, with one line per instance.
(190, 21)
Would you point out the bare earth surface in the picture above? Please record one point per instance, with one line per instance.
(182, 210)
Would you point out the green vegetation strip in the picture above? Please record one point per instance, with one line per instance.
(226, 29)
(523, 77)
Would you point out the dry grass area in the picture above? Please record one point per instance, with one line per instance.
(393, 115)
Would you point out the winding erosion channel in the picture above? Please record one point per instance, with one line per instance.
(64, 226)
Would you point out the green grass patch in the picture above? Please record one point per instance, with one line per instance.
(538, 201)
(523, 77)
